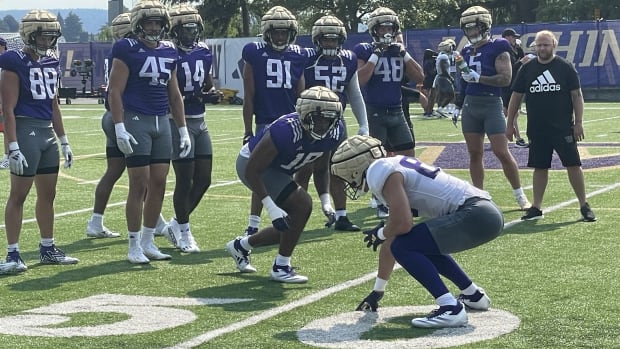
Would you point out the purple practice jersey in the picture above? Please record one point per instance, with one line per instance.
(333, 73)
(295, 148)
(38, 82)
(383, 88)
(482, 60)
(150, 70)
(276, 75)
(193, 69)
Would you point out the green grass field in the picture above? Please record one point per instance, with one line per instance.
(558, 276)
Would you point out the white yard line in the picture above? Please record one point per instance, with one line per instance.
(255, 319)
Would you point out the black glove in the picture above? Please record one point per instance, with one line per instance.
(246, 137)
(213, 97)
(371, 238)
(400, 48)
(331, 218)
(371, 302)
(378, 49)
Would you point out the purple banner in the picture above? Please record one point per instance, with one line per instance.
(96, 52)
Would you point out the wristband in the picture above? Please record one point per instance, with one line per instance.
(63, 140)
(407, 57)
(183, 131)
(373, 59)
(380, 234)
(13, 146)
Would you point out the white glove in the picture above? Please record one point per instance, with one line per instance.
(363, 130)
(471, 76)
(279, 217)
(17, 161)
(328, 210)
(66, 151)
(124, 139)
(186, 143)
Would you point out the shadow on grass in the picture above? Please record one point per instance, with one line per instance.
(536, 227)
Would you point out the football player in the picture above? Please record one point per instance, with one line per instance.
(193, 172)
(143, 90)
(266, 165)
(382, 65)
(32, 122)
(333, 67)
(115, 159)
(460, 217)
(273, 77)
(480, 99)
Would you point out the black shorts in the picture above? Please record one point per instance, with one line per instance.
(541, 150)
(427, 84)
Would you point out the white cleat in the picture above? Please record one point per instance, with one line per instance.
(8, 268)
(136, 255)
(160, 229)
(100, 232)
(287, 274)
(152, 252)
(188, 244)
(442, 317)
(523, 202)
(240, 255)
(173, 232)
(477, 301)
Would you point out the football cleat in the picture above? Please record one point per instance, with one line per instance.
(445, 316)
(344, 224)
(8, 268)
(533, 213)
(477, 301)
(286, 274)
(240, 255)
(14, 257)
(173, 232)
(587, 214)
(371, 302)
(187, 243)
(161, 227)
(54, 255)
(4, 163)
(382, 211)
(523, 202)
(136, 255)
(100, 232)
(153, 253)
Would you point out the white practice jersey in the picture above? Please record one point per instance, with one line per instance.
(430, 191)
(443, 60)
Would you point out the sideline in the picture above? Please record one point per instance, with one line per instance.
(255, 319)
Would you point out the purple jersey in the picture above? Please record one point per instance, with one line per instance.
(482, 60)
(333, 73)
(383, 88)
(276, 75)
(150, 70)
(192, 71)
(295, 148)
(38, 82)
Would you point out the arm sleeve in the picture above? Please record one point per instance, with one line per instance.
(356, 100)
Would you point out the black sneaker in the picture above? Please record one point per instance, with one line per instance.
(588, 215)
(520, 143)
(344, 224)
(532, 214)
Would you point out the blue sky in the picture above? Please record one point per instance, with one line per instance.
(59, 4)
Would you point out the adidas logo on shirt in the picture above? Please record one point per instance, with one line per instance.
(135, 118)
(544, 83)
(32, 133)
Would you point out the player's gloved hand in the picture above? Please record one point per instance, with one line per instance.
(363, 130)
(247, 136)
(17, 161)
(124, 139)
(371, 302)
(378, 49)
(455, 116)
(330, 214)
(66, 151)
(213, 97)
(471, 76)
(186, 143)
(402, 51)
(374, 237)
(279, 217)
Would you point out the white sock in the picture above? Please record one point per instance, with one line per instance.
(134, 238)
(469, 290)
(245, 243)
(254, 221)
(148, 236)
(12, 247)
(341, 213)
(446, 299)
(47, 242)
(281, 260)
(96, 220)
(518, 192)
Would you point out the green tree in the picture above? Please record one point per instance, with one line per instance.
(73, 27)
(105, 34)
(3, 26)
(12, 23)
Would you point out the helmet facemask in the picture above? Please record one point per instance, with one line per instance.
(319, 110)
(328, 27)
(386, 38)
(186, 36)
(319, 123)
(42, 49)
(152, 36)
